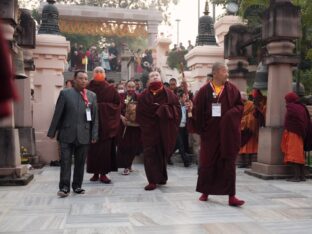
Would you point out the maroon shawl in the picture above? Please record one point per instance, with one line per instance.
(296, 119)
(108, 107)
(7, 89)
(159, 118)
(220, 139)
(228, 126)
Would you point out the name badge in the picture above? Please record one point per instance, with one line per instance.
(216, 110)
(88, 114)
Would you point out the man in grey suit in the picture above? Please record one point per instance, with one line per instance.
(76, 120)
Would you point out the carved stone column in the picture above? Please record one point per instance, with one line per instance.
(50, 57)
(152, 30)
(270, 158)
(280, 27)
(12, 172)
(238, 70)
(23, 109)
(237, 54)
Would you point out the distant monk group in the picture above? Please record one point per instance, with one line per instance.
(149, 122)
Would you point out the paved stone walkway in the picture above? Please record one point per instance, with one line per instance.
(124, 206)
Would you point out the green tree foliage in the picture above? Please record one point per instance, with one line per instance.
(175, 58)
(252, 10)
(306, 80)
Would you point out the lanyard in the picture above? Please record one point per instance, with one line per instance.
(85, 97)
(215, 95)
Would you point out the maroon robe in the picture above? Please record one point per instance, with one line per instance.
(102, 155)
(7, 88)
(159, 118)
(297, 119)
(220, 139)
(129, 144)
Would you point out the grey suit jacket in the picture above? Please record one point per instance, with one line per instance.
(70, 119)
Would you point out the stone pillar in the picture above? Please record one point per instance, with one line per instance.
(238, 70)
(50, 57)
(23, 109)
(280, 63)
(162, 50)
(152, 30)
(12, 172)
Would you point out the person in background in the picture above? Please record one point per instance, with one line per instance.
(102, 155)
(69, 84)
(73, 56)
(181, 47)
(296, 126)
(249, 133)
(80, 57)
(105, 60)
(120, 88)
(182, 140)
(138, 86)
(113, 54)
(190, 46)
(173, 85)
(76, 120)
(175, 48)
(167, 85)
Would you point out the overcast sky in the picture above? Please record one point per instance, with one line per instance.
(187, 12)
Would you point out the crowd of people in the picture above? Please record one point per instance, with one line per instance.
(109, 58)
(181, 47)
(87, 59)
(114, 123)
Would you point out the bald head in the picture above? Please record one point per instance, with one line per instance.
(98, 70)
(219, 72)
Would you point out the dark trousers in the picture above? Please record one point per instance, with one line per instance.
(80, 152)
(182, 142)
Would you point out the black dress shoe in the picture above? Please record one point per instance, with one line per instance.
(63, 192)
(79, 190)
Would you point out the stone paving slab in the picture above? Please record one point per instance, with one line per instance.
(274, 206)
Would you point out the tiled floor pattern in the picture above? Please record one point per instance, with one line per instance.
(124, 207)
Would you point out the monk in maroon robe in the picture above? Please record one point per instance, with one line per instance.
(129, 143)
(102, 156)
(216, 117)
(297, 126)
(159, 115)
(7, 89)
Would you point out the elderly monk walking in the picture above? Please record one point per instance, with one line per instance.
(102, 155)
(297, 124)
(159, 115)
(216, 116)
